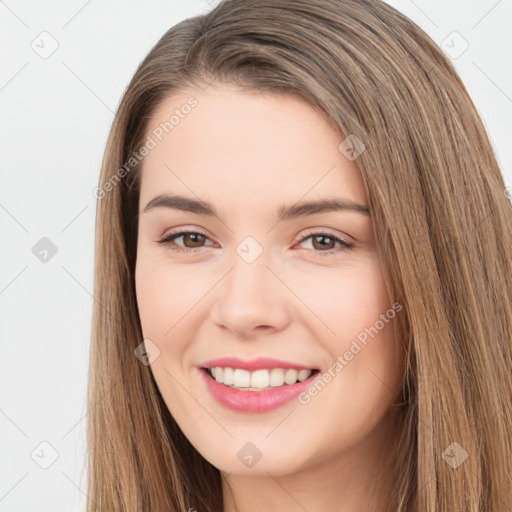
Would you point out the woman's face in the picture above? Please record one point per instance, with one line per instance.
(268, 286)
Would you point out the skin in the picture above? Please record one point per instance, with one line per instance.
(248, 153)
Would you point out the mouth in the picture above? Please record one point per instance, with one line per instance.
(258, 380)
(256, 391)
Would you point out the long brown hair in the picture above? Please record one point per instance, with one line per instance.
(442, 223)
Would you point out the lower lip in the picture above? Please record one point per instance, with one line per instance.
(255, 401)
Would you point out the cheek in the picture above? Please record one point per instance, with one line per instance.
(173, 304)
(164, 297)
(346, 300)
(154, 299)
(354, 323)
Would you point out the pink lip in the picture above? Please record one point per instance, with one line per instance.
(255, 401)
(261, 363)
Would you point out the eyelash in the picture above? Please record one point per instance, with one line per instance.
(168, 241)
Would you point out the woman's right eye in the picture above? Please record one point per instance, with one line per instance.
(194, 237)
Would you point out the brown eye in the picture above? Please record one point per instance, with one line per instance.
(196, 239)
(325, 244)
(191, 240)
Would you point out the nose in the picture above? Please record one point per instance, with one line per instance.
(251, 300)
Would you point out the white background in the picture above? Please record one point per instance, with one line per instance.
(55, 117)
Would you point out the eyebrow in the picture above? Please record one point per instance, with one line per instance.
(200, 207)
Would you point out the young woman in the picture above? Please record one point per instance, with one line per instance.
(303, 274)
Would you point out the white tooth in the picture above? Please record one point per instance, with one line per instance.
(303, 374)
(276, 377)
(290, 377)
(228, 376)
(219, 374)
(260, 379)
(241, 378)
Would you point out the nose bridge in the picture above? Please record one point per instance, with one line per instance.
(250, 295)
(249, 285)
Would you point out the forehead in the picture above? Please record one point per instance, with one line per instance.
(237, 146)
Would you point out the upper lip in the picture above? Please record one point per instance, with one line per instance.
(260, 363)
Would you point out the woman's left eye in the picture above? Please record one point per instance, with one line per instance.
(327, 241)
(322, 243)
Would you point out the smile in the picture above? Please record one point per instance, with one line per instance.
(238, 378)
(258, 390)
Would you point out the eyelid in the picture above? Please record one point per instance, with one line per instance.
(327, 232)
